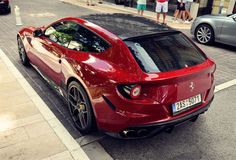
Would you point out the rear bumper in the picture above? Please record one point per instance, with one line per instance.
(144, 131)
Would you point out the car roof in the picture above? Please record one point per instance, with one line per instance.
(126, 25)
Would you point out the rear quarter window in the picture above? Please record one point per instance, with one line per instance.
(164, 53)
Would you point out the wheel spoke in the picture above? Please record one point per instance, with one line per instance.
(199, 33)
(75, 93)
(82, 119)
(201, 30)
(200, 38)
(72, 101)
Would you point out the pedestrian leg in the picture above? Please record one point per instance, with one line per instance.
(158, 16)
(164, 19)
(141, 12)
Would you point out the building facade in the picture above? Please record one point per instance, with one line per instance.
(224, 7)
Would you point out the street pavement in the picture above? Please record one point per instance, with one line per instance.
(38, 13)
(28, 129)
(211, 137)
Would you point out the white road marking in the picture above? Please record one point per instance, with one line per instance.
(73, 147)
(225, 85)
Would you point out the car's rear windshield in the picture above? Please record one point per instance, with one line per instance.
(163, 53)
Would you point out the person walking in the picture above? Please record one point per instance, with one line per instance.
(187, 10)
(161, 7)
(141, 7)
(180, 11)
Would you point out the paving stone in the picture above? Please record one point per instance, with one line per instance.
(35, 13)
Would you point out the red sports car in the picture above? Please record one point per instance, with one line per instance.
(126, 75)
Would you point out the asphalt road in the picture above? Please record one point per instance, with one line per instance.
(211, 137)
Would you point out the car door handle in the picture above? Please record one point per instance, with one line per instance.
(59, 61)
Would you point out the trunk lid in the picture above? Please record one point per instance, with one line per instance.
(168, 88)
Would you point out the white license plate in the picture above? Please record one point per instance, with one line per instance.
(183, 105)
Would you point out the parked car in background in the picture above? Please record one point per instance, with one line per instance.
(5, 6)
(215, 28)
(127, 75)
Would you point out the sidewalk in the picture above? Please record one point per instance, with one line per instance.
(107, 7)
(28, 129)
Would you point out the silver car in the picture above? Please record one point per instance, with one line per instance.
(219, 28)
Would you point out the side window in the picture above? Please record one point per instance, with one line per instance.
(88, 41)
(73, 36)
(61, 33)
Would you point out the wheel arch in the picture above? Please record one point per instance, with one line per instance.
(71, 79)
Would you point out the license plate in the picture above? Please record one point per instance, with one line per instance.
(183, 105)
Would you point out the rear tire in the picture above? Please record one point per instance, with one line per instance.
(80, 108)
(22, 53)
(204, 34)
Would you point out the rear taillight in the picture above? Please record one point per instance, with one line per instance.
(130, 91)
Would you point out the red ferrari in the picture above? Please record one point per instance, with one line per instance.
(126, 75)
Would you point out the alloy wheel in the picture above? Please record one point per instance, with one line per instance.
(22, 52)
(78, 107)
(204, 34)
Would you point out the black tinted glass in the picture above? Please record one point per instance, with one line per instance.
(164, 53)
(89, 41)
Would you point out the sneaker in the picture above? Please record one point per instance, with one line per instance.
(187, 22)
(175, 21)
(190, 19)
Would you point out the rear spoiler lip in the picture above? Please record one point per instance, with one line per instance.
(162, 33)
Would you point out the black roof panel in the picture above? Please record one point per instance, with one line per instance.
(127, 25)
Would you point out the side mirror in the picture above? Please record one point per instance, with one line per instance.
(38, 32)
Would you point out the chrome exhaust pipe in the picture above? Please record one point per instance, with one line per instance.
(129, 133)
(142, 132)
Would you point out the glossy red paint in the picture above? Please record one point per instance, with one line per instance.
(100, 74)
